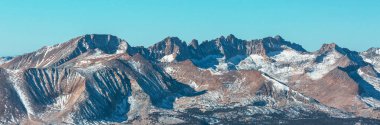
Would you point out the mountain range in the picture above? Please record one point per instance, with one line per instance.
(101, 79)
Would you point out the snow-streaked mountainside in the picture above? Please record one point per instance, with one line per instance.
(101, 79)
(4, 59)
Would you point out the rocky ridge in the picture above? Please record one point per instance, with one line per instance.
(102, 79)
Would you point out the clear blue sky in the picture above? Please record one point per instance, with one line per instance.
(28, 25)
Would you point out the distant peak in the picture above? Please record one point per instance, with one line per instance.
(222, 37)
(279, 38)
(194, 42)
(373, 50)
(328, 47)
(92, 36)
(171, 40)
(231, 36)
(105, 42)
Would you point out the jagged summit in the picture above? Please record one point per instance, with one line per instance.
(330, 47)
(373, 51)
(279, 38)
(231, 37)
(278, 43)
(107, 43)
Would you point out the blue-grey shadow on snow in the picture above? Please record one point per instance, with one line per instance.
(163, 92)
(214, 60)
(207, 62)
(365, 88)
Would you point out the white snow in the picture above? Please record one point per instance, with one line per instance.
(98, 55)
(276, 84)
(3, 60)
(136, 65)
(169, 70)
(194, 85)
(60, 102)
(374, 81)
(375, 61)
(17, 81)
(290, 55)
(280, 70)
(369, 60)
(215, 72)
(371, 101)
(257, 58)
(377, 69)
(221, 67)
(92, 68)
(377, 51)
(321, 69)
(45, 50)
(284, 64)
(168, 58)
(122, 48)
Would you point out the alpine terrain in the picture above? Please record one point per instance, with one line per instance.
(101, 79)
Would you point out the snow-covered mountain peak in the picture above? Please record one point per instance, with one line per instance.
(372, 51)
(5, 59)
(372, 56)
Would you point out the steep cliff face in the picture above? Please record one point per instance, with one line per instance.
(100, 79)
(172, 48)
(169, 49)
(12, 109)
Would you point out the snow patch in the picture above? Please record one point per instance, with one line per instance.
(169, 70)
(98, 55)
(377, 51)
(222, 65)
(321, 69)
(215, 72)
(5, 60)
(92, 68)
(276, 84)
(168, 58)
(374, 81)
(136, 65)
(371, 101)
(122, 48)
(60, 102)
(374, 60)
(17, 81)
(290, 55)
(280, 70)
(193, 85)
